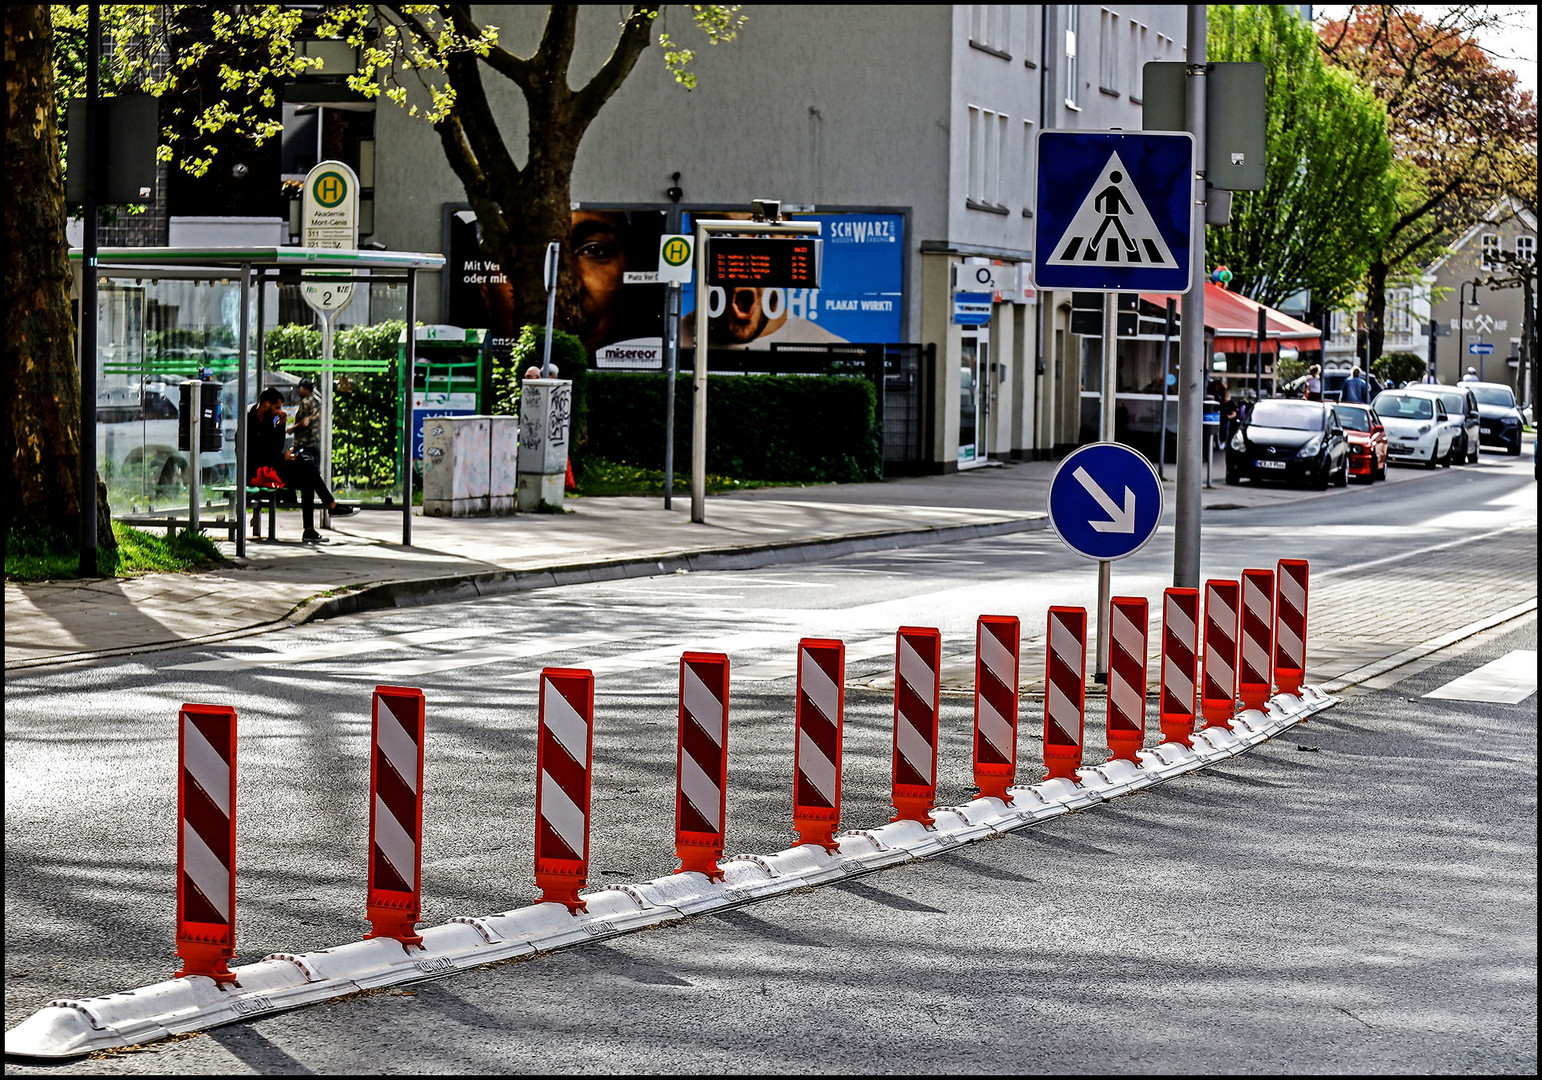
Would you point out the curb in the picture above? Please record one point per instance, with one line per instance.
(438, 590)
(386, 595)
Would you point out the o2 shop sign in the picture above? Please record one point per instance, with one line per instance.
(975, 279)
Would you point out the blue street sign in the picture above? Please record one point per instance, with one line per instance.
(972, 309)
(1480, 348)
(1112, 211)
(1105, 501)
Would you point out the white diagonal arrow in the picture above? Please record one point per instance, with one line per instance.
(1123, 520)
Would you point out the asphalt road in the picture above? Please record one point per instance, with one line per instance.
(1369, 906)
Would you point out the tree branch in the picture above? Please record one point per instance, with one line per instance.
(517, 70)
(634, 39)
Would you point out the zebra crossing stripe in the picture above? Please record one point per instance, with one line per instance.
(394, 894)
(917, 695)
(1127, 677)
(816, 803)
(1255, 672)
(701, 794)
(206, 841)
(1180, 664)
(564, 760)
(1064, 685)
(997, 641)
(1218, 679)
(1290, 625)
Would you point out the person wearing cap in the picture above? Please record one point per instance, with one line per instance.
(307, 421)
(1471, 376)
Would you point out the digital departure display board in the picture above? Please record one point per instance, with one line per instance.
(764, 262)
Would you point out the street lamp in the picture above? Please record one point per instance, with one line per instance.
(1461, 321)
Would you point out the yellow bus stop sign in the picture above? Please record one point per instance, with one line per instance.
(675, 254)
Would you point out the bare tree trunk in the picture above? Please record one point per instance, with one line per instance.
(42, 380)
(1375, 312)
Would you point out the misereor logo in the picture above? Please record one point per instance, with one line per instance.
(677, 252)
(330, 189)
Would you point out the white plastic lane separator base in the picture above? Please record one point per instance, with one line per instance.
(70, 1028)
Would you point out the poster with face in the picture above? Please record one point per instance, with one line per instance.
(604, 245)
(860, 298)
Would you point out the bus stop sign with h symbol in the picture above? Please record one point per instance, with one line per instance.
(1113, 211)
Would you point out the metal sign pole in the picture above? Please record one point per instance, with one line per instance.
(409, 378)
(1191, 364)
(699, 385)
(671, 363)
(88, 358)
(551, 306)
(325, 464)
(1167, 344)
(1106, 434)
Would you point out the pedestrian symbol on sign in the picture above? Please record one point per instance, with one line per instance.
(1112, 227)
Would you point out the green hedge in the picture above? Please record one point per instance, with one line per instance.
(796, 428)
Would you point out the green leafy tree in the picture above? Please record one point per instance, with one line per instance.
(1330, 184)
(1465, 135)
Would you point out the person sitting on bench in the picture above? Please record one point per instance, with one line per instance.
(265, 446)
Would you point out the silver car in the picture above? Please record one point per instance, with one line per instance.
(1419, 430)
(1462, 404)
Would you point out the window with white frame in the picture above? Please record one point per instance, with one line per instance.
(987, 156)
(1526, 248)
(990, 26)
(1072, 24)
(1489, 247)
(1108, 51)
(1033, 26)
(1138, 59)
(1028, 167)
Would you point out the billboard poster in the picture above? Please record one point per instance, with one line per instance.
(859, 298)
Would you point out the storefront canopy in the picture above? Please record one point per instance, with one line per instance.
(1233, 319)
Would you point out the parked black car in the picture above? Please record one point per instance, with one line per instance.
(1283, 439)
(1500, 416)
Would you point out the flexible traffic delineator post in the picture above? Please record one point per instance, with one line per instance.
(1180, 664)
(917, 698)
(1290, 625)
(816, 799)
(1064, 691)
(1218, 683)
(394, 900)
(564, 756)
(997, 641)
(701, 799)
(1126, 677)
(1255, 667)
(206, 840)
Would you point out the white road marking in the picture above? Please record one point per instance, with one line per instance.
(1511, 679)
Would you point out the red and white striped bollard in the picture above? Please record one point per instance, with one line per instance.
(394, 896)
(997, 641)
(1126, 677)
(816, 799)
(1290, 625)
(701, 791)
(917, 695)
(1180, 664)
(206, 841)
(564, 760)
(1255, 667)
(1065, 691)
(1218, 683)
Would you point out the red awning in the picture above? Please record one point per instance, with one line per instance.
(1233, 319)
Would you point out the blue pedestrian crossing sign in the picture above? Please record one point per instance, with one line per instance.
(1113, 211)
(1105, 501)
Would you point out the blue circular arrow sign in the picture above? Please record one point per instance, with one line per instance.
(1105, 501)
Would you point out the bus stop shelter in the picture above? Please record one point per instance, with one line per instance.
(254, 267)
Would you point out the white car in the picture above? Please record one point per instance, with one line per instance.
(1418, 427)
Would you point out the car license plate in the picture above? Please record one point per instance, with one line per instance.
(1270, 464)
(1399, 448)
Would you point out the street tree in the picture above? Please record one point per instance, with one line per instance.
(1464, 133)
(1331, 182)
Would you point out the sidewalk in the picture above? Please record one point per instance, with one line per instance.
(364, 567)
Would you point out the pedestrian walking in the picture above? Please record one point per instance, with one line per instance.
(1355, 388)
(1314, 383)
(307, 422)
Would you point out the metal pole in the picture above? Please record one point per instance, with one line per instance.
(240, 483)
(1461, 329)
(1263, 333)
(1430, 364)
(409, 376)
(671, 363)
(699, 385)
(551, 306)
(1106, 434)
(195, 448)
(88, 358)
(1191, 386)
(324, 466)
(1167, 344)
